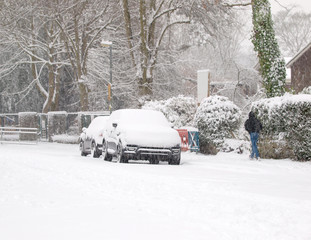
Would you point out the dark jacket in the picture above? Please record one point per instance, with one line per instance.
(252, 124)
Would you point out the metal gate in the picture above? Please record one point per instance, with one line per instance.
(71, 123)
(43, 126)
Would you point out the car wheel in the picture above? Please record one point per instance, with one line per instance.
(120, 155)
(174, 160)
(154, 160)
(108, 156)
(94, 150)
(81, 147)
(104, 151)
(83, 154)
(105, 154)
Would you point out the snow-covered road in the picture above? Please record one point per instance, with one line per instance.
(49, 192)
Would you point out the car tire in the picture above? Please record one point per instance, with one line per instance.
(81, 146)
(121, 158)
(94, 150)
(105, 154)
(108, 157)
(83, 154)
(174, 160)
(154, 161)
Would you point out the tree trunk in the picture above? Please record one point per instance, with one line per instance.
(145, 86)
(145, 82)
(55, 104)
(84, 102)
(128, 28)
(51, 89)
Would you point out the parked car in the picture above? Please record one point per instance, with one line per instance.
(136, 134)
(91, 138)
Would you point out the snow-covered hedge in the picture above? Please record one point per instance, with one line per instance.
(216, 118)
(28, 120)
(178, 110)
(288, 116)
(306, 90)
(64, 138)
(57, 123)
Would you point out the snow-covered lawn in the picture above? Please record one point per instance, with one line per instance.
(48, 191)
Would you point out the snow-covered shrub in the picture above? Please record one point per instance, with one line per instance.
(57, 123)
(28, 120)
(289, 118)
(178, 110)
(216, 118)
(235, 145)
(270, 147)
(64, 138)
(306, 90)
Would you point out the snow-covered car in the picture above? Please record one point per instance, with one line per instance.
(137, 134)
(91, 138)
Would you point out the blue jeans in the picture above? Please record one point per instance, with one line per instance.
(254, 140)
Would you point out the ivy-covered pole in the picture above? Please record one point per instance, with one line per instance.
(272, 66)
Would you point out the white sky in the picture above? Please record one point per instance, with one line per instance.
(304, 5)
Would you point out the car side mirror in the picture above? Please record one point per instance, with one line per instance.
(114, 125)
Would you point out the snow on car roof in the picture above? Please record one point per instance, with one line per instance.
(97, 124)
(144, 128)
(140, 116)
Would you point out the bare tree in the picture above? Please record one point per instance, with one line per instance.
(147, 23)
(81, 24)
(153, 42)
(30, 26)
(293, 30)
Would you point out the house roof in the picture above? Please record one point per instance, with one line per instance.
(298, 55)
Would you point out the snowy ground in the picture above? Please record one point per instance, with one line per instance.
(48, 191)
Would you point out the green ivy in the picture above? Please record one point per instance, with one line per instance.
(272, 66)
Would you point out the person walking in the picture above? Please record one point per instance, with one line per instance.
(253, 126)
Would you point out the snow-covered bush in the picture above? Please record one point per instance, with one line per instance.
(57, 123)
(288, 117)
(178, 110)
(216, 118)
(64, 138)
(28, 120)
(306, 90)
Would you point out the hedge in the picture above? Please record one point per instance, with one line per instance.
(288, 116)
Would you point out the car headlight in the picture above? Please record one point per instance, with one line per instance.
(176, 150)
(131, 148)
